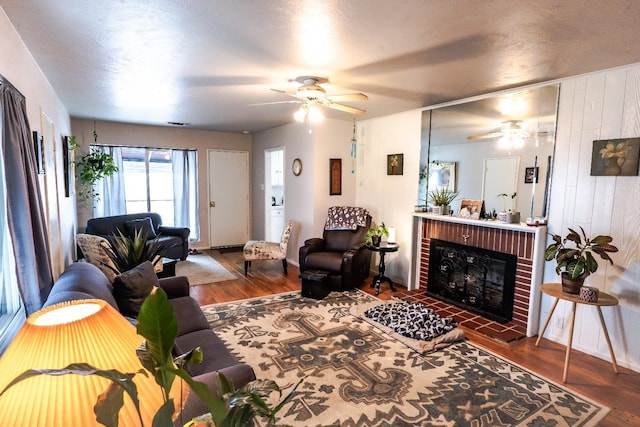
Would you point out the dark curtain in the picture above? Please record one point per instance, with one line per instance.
(27, 224)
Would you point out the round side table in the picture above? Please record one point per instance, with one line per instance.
(379, 278)
(604, 299)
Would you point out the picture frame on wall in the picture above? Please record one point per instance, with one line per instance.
(615, 157)
(442, 175)
(38, 148)
(395, 164)
(335, 177)
(531, 175)
(66, 165)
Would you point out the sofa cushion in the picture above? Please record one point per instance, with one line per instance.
(81, 280)
(216, 356)
(188, 315)
(94, 249)
(132, 287)
(142, 225)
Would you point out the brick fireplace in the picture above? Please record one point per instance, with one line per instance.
(527, 243)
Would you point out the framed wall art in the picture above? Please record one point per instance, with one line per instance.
(395, 164)
(531, 175)
(615, 157)
(335, 177)
(38, 148)
(442, 175)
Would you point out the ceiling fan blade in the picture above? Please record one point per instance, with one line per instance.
(344, 108)
(284, 92)
(348, 97)
(276, 102)
(485, 136)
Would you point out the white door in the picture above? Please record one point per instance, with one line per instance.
(228, 198)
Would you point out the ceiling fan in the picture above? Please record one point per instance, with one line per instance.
(509, 128)
(311, 95)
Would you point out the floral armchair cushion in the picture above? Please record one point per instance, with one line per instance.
(260, 249)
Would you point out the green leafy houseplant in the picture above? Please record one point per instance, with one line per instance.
(127, 252)
(374, 234)
(158, 325)
(90, 168)
(574, 253)
(442, 196)
(506, 196)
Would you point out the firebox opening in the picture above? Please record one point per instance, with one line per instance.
(479, 280)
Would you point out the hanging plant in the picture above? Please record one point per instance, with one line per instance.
(91, 168)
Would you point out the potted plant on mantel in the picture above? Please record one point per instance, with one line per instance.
(575, 260)
(441, 199)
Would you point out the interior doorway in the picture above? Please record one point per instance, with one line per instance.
(274, 193)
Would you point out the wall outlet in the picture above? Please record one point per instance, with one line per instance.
(558, 321)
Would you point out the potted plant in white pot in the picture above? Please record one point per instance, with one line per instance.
(509, 215)
(574, 257)
(441, 200)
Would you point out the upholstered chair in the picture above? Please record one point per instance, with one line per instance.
(341, 251)
(261, 249)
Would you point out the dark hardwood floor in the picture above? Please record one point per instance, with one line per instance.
(588, 375)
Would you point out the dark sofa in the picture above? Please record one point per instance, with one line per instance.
(82, 280)
(174, 239)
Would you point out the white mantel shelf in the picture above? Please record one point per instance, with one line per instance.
(482, 223)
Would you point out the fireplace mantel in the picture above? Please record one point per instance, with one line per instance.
(526, 242)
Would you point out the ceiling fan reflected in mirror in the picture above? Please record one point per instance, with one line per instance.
(510, 129)
(312, 96)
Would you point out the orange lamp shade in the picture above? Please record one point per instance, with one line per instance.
(87, 331)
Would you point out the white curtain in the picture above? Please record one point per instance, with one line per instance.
(185, 190)
(112, 192)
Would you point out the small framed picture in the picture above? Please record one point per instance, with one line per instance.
(335, 177)
(38, 148)
(395, 164)
(531, 175)
(471, 209)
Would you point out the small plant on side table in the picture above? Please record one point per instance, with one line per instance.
(374, 234)
(574, 256)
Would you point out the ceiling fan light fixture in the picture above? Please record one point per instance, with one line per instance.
(310, 111)
(300, 114)
(315, 115)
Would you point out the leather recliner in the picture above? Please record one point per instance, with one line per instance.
(341, 253)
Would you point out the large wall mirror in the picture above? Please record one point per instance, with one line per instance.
(501, 144)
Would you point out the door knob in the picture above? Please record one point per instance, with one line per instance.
(212, 204)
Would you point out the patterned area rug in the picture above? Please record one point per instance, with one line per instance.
(201, 269)
(358, 376)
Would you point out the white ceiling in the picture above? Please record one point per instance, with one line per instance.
(205, 61)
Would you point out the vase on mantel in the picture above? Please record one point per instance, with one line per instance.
(441, 210)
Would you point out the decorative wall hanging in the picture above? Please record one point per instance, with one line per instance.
(395, 164)
(531, 175)
(38, 148)
(615, 157)
(335, 177)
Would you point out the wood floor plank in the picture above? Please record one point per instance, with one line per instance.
(588, 375)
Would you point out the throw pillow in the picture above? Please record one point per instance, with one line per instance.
(132, 287)
(145, 225)
(94, 248)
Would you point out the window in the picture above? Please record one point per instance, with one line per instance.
(148, 181)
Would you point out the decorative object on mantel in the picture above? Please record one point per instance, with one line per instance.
(615, 157)
(471, 209)
(576, 261)
(441, 199)
(509, 216)
(374, 234)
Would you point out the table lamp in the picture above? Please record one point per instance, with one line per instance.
(87, 331)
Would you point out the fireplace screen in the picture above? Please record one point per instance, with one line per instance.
(476, 279)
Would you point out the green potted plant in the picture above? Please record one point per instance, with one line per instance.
(509, 215)
(374, 234)
(90, 168)
(441, 198)
(574, 257)
(127, 252)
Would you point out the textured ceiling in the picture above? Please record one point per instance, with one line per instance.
(204, 62)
